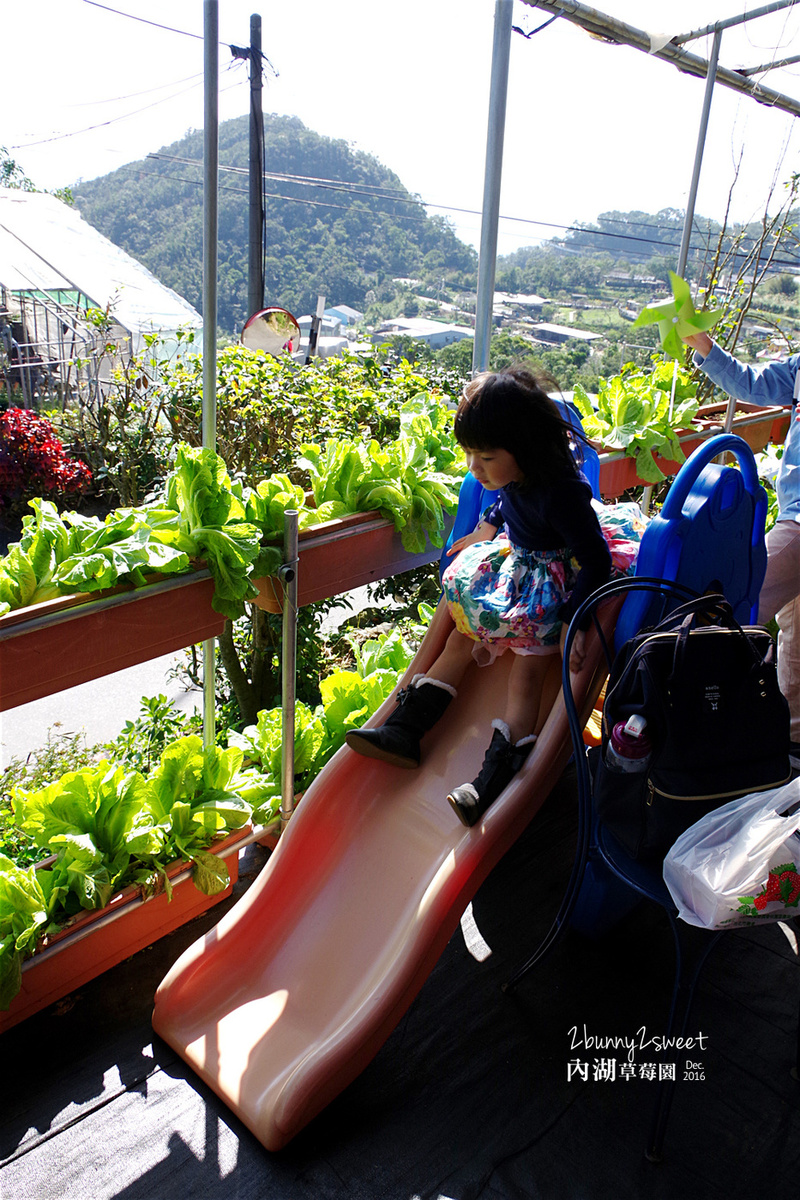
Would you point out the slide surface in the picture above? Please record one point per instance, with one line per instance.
(281, 1005)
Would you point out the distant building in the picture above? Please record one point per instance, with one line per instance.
(626, 279)
(514, 300)
(331, 326)
(562, 333)
(433, 333)
(327, 347)
(345, 314)
(761, 333)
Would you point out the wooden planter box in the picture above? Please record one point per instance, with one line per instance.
(96, 941)
(757, 425)
(345, 554)
(64, 642)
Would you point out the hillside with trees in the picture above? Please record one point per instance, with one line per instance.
(341, 224)
(346, 235)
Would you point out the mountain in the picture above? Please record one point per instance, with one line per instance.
(337, 222)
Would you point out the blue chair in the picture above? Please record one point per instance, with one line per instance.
(710, 537)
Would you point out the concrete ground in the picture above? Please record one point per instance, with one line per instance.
(100, 708)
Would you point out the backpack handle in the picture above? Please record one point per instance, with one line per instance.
(717, 604)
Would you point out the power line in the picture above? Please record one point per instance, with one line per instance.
(354, 188)
(652, 243)
(382, 191)
(235, 50)
(196, 77)
(59, 137)
(144, 21)
(400, 193)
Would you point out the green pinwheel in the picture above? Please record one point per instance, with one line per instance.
(677, 317)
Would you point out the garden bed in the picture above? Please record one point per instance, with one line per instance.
(96, 941)
(757, 425)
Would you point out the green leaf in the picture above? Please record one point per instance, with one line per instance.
(209, 873)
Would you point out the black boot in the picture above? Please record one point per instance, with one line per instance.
(419, 707)
(500, 764)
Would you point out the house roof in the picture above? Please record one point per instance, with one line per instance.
(45, 245)
(566, 331)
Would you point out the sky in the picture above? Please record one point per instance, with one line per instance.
(589, 127)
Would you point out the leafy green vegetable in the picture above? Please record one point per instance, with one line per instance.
(109, 828)
(349, 698)
(24, 913)
(636, 413)
(205, 519)
(398, 480)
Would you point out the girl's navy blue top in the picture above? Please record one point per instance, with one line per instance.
(557, 517)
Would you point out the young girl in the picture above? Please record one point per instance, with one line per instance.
(536, 553)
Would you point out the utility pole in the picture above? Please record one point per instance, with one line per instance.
(255, 274)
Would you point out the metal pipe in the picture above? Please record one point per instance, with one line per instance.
(210, 217)
(288, 577)
(210, 250)
(729, 22)
(255, 275)
(609, 28)
(487, 257)
(688, 218)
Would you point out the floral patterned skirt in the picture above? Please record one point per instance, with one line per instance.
(507, 598)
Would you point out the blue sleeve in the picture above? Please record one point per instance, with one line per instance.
(772, 383)
(493, 515)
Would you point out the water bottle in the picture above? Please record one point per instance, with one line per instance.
(629, 747)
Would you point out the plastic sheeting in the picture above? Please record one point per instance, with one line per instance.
(45, 245)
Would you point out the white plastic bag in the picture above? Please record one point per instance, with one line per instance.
(740, 864)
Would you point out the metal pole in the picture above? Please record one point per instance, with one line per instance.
(610, 29)
(313, 333)
(288, 577)
(683, 253)
(487, 258)
(210, 223)
(255, 277)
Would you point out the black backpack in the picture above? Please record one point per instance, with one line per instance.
(718, 724)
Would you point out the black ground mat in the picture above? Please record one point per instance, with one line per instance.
(476, 1094)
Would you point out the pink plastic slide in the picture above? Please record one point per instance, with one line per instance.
(281, 1005)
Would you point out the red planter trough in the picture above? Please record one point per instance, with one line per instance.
(64, 642)
(345, 554)
(757, 425)
(96, 941)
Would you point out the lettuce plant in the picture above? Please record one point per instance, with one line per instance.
(108, 828)
(638, 413)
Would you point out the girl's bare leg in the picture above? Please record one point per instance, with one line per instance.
(533, 684)
(451, 664)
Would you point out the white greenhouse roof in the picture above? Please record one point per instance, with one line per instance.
(45, 245)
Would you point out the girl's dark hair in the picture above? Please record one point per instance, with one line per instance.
(511, 410)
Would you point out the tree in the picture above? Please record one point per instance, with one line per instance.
(13, 176)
